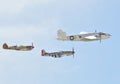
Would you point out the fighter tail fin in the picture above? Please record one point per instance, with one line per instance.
(43, 52)
(5, 46)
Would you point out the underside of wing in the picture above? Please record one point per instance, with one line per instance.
(91, 37)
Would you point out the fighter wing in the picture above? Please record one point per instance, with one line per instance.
(25, 48)
(14, 48)
(68, 53)
(56, 55)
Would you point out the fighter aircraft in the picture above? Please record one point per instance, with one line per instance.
(19, 48)
(57, 54)
(83, 36)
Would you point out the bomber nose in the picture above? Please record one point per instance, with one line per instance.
(109, 35)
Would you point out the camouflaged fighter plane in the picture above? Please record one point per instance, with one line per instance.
(19, 48)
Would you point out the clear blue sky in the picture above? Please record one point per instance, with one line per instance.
(25, 21)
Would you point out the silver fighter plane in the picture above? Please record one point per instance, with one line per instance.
(57, 54)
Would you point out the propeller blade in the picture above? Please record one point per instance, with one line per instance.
(73, 52)
(32, 45)
(100, 37)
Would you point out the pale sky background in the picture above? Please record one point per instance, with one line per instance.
(25, 21)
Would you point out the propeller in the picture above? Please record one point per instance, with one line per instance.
(73, 52)
(100, 33)
(100, 36)
(32, 45)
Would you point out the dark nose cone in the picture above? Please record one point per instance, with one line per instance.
(32, 46)
(73, 52)
(109, 35)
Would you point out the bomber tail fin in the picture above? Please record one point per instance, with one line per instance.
(5, 46)
(61, 35)
(43, 52)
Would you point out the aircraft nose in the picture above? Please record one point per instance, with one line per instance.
(32, 46)
(109, 35)
(73, 52)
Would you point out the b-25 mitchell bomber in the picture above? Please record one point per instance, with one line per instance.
(57, 54)
(83, 36)
(19, 48)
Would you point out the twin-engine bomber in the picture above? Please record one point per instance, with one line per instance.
(83, 36)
